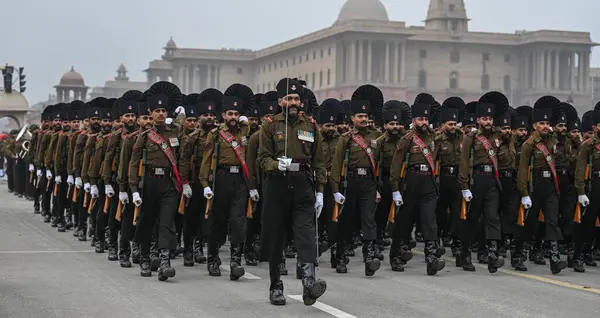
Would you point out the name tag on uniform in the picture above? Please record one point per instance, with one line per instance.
(159, 171)
(487, 168)
(234, 169)
(546, 174)
(174, 142)
(361, 171)
(306, 136)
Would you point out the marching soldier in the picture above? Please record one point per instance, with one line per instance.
(416, 153)
(60, 118)
(30, 187)
(478, 170)
(41, 146)
(31, 156)
(20, 168)
(290, 151)
(9, 155)
(225, 155)
(538, 184)
(60, 167)
(78, 128)
(157, 149)
(447, 144)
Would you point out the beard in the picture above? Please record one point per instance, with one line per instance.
(451, 132)
(106, 128)
(393, 131)
(423, 128)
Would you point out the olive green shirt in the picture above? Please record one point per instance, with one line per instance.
(407, 150)
(480, 155)
(588, 150)
(529, 152)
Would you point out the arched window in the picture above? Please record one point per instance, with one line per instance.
(485, 82)
(506, 83)
(422, 79)
(454, 80)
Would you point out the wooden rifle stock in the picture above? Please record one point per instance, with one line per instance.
(577, 215)
(521, 216)
(86, 198)
(392, 214)
(91, 205)
(207, 210)
(541, 216)
(119, 211)
(597, 222)
(106, 204)
(463, 209)
(136, 213)
(181, 208)
(68, 191)
(75, 192)
(336, 212)
(249, 208)
(55, 193)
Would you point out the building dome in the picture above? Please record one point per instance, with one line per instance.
(171, 44)
(72, 79)
(14, 101)
(363, 10)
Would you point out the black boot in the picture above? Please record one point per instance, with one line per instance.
(249, 256)
(69, 220)
(283, 271)
(82, 234)
(47, 218)
(494, 260)
(434, 263)
(61, 224)
(124, 253)
(342, 259)
(372, 264)
(556, 264)
(100, 246)
(276, 296)
(165, 271)
(112, 252)
(188, 255)
(36, 208)
(298, 268)
(312, 288)
(54, 221)
(213, 260)
(135, 252)
(333, 259)
(536, 254)
(576, 261)
(154, 259)
(236, 270)
(464, 259)
(517, 257)
(455, 247)
(145, 270)
(289, 251)
(199, 251)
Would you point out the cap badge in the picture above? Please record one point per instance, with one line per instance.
(395, 116)
(425, 112)
(130, 108)
(209, 107)
(331, 118)
(270, 107)
(160, 102)
(57, 115)
(235, 104)
(505, 121)
(454, 116)
(545, 116)
(489, 110)
(293, 87)
(107, 114)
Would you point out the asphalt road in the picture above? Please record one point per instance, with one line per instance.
(47, 274)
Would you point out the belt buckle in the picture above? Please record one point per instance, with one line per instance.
(294, 167)
(487, 168)
(361, 171)
(451, 169)
(546, 174)
(423, 168)
(234, 169)
(159, 171)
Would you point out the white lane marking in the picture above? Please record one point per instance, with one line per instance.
(325, 308)
(246, 274)
(44, 252)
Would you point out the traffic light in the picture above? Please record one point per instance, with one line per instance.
(22, 81)
(7, 75)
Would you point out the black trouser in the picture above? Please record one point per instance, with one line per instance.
(420, 200)
(160, 202)
(35, 192)
(127, 227)
(544, 198)
(10, 173)
(114, 225)
(567, 203)
(586, 231)
(61, 197)
(383, 208)
(360, 202)
(254, 223)
(289, 199)
(509, 203)
(82, 209)
(229, 207)
(449, 199)
(484, 204)
(47, 186)
(325, 222)
(20, 178)
(99, 214)
(193, 218)
(30, 183)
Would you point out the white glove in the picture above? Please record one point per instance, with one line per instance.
(254, 195)
(70, 180)
(109, 191)
(94, 191)
(208, 193)
(467, 195)
(137, 200)
(339, 198)
(583, 200)
(86, 187)
(319, 203)
(243, 119)
(377, 197)
(31, 167)
(48, 174)
(397, 198)
(284, 163)
(180, 110)
(58, 179)
(187, 190)
(39, 173)
(78, 182)
(168, 121)
(123, 197)
(526, 202)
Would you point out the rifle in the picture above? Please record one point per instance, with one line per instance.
(464, 205)
(106, 204)
(579, 210)
(213, 167)
(339, 208)
(141, 174)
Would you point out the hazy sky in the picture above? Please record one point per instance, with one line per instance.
(48, 36)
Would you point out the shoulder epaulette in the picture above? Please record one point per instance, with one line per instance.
(194, 133)
(214, 130)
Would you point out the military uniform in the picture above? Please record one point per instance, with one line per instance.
(157, 148)
(60, 161)
(30, 159)
(20, 169)
(509, 196)
(289, 195)
(416, 152)
(538, 184)
(78, 162)
(9, 154)
(42, 145)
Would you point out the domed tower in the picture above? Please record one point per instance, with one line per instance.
(170, 47)
(71, 87)
(448, 15)
(122, 73)
(362, 10)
